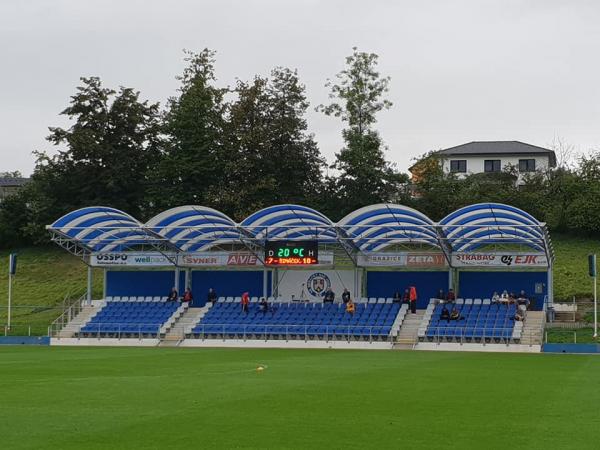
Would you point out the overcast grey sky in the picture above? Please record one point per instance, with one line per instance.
(461, 70)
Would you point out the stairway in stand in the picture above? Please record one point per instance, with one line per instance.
(533, 328)
(408, 331)
(183, 325)
(86, 313)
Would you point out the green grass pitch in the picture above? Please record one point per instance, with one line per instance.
(160, 398)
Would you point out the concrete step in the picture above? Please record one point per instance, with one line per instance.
(169, 343)
(408, 331)
(84, 316)
(187, 320)
(402, 346)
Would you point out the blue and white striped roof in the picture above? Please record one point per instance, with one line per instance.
(491, 223)
(195, 228)
(290, 222)
(102, 229)
(375, 227)
(369, 229)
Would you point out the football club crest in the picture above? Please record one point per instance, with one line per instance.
(317, 284)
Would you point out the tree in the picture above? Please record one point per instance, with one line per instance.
(13, 174)
(14, 220)
(365, 177)
(194, 160)
(104, 158)
(267, 132)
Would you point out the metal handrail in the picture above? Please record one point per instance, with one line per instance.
(290, 330)
(120, 331)
(487, 333)
(69, 313)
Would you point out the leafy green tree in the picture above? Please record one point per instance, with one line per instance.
(365, 177)
(103, 157)
(194, 160)
(14, 220)
(11, 174)
(276, 159)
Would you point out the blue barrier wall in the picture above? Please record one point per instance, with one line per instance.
(228, 283)
(483, 284)
(142, 282)
(571, 348)
(384, 284)
(24, 340)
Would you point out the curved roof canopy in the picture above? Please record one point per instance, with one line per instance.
(369, 229)
(103, 229)
(194, 228)
(375, 227)
(483, 224)
(289, 222)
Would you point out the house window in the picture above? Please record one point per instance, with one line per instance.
(458, 165)
(491, 165)
(527, 165)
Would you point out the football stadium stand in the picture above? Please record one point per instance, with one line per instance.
(374, 319)
(132, 317)
(288, 252)
(479, 321)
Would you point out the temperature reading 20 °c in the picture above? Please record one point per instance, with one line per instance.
(287, 252)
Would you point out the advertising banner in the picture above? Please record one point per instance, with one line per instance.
(311, 284)
(219, 259)
(153, 259)
(402, 259)
(503, 259)
(200, 259)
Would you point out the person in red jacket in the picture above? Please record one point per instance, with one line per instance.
(413, 299)
(188, 296)
(245, 301)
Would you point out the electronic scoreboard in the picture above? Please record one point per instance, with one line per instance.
(291, 253)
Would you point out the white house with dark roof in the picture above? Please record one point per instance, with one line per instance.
(496, 156)
(493, 156)
(10, 186)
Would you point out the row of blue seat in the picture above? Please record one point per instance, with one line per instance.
(114, 328)
(130, 318)
(297, 321)
(477, 322)
(255, 330)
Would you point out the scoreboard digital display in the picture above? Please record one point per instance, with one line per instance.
(291, 253)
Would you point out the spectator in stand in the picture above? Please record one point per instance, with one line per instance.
(523, 299)
(397, 297)
(346, 296)
(512, 298)
(519, 315)
(495, 297)
(450, 296)
(445, 314)
(187, 296)
(173, 295)
(350, 308)
(245, 301)
(329, 296)
(212, 296)
(440, 295)
(455, 315)
(263, 305)
(406, 297)
(504, 297)
(413, 299)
